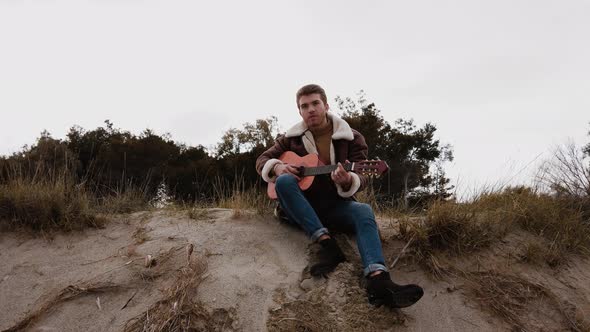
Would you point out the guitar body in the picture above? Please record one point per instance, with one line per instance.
(289, 157)
(310, 166)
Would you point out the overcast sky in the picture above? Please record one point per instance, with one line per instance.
(503, 81)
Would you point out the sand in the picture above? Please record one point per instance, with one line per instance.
(256, 279)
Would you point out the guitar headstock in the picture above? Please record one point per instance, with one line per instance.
(372, 168)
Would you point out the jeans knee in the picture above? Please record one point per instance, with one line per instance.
(367, 217)
(366, 210)
(284, 182)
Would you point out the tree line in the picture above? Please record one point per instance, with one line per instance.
(108, 159)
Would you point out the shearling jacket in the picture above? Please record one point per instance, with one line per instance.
(347, 144)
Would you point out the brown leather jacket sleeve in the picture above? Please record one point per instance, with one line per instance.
(355, 150)
(281, 145)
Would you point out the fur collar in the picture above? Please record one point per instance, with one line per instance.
(341, 129)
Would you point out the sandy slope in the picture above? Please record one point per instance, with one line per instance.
(256, 279)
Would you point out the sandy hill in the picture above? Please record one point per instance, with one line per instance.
(228, 271)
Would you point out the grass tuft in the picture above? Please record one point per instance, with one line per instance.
(559, 222)
(464, 228)
(52, 199)
(46, 205)
(240, 198)
(179, 311)
(129, 201)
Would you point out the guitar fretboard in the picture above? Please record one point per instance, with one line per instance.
(319, 170)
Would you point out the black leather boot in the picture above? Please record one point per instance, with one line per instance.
(329, 257)
(381, 290)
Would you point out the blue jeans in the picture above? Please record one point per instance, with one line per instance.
(338, 215)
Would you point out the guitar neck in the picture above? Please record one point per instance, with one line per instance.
(319, 170)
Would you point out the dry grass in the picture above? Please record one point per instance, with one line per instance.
(66, 294)
(242, 204)
(464, 228)
(369, 196)
(559, 222)
(301, 315)
(512, 298)
(52, 199)
(46, 205)
(241, 198)
(450, 228)
(538, 253)
(248, 200)
(131, 200)
(178, 311)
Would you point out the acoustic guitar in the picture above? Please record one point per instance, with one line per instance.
(310, 166)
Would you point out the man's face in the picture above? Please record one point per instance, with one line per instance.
(313, 110)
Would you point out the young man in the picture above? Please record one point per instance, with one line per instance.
(329, 202)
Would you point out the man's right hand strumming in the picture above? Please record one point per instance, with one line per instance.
(281, 169)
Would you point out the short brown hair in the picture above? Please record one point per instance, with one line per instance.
(311, 89)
